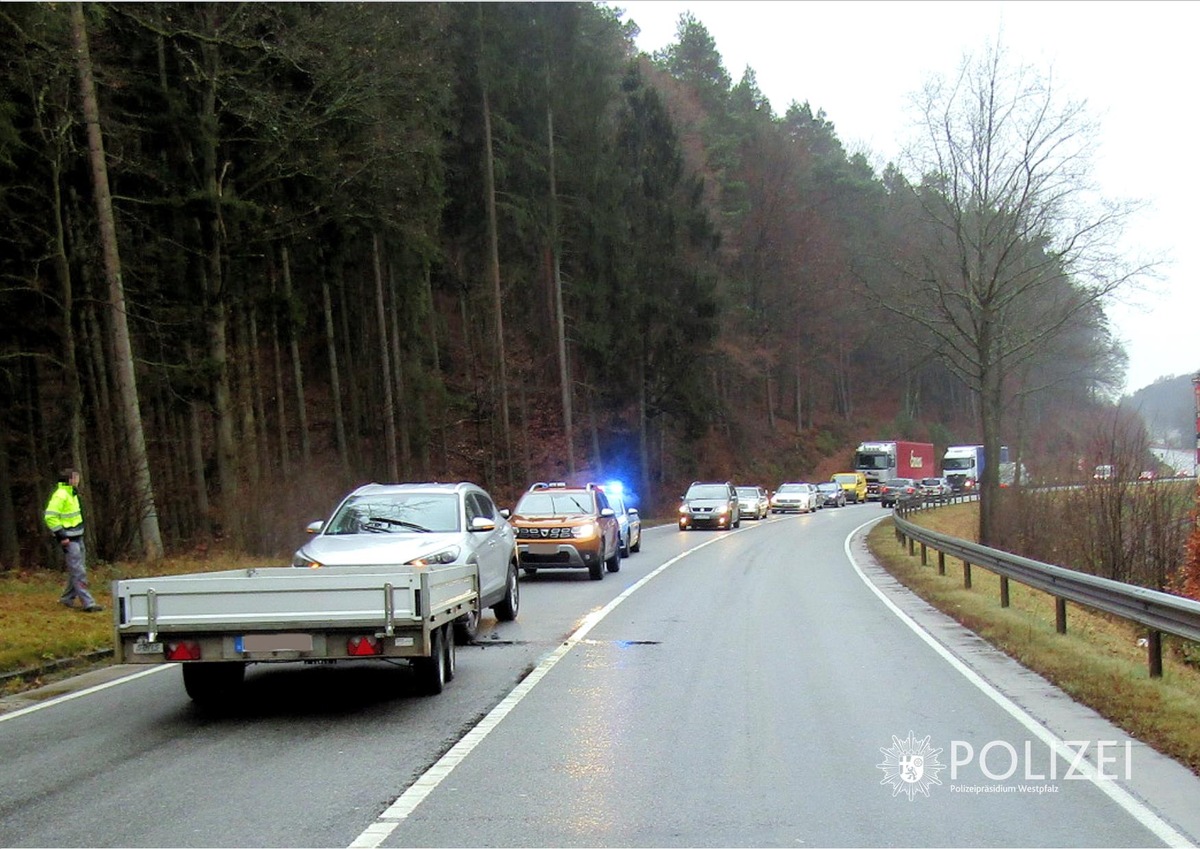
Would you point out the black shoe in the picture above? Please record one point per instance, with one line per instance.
(93, 608)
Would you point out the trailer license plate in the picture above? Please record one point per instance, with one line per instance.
(142, 647)
(276, 642)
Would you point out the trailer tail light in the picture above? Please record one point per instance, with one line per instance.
(363, 647)
(182, 650)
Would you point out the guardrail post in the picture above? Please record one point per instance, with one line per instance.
(912, 546)
(967, 574)
(1154, 653)
(1060, 615)
(941, 563)
(1003, 591)
(924, 555)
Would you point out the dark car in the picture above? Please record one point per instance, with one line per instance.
(710, 505)
(891, 491)
(832, 494)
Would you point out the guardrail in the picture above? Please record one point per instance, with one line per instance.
(1161, 613)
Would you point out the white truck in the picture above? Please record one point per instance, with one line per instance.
(216, 623)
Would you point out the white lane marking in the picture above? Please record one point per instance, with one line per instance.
(1109, 787)
(374, 835)
(81, 693)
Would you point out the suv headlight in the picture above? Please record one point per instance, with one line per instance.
(585, 531)
(683, 508)
(300, 561)
(723, 509)
(438, 558)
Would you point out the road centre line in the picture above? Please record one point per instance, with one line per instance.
(1140, 812)
(374, 835)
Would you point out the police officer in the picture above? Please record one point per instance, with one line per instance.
(64, 518)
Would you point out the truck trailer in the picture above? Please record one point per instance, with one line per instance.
(886, 459)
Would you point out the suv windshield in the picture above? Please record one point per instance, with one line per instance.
(846, 478)
(401, 512)
(792, 487)
(545, 503)
(711, 490)
(747, 491)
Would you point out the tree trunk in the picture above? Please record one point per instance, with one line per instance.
(126, 377)
(402, 418)
(335, 382)
(560, 324)
(389, 410)
(243, 354)
(494, 268)
(297, 369)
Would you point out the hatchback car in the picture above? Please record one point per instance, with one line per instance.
(832, 494)
(567, 527)
(935, 488)
(794, 497)
(896, 489)
(753, 502)
(710, 505)
(423, 524)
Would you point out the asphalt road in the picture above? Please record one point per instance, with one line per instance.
(761, 687)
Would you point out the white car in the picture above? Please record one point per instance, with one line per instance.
(423, 524)
(795, 497)
(753, 502)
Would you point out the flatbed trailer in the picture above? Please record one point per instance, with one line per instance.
(216, 623)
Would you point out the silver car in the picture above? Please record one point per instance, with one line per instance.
(424, 524)
(629, 520)
(798, 497)
(753, 502)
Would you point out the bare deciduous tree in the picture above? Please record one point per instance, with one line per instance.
(1014, 248)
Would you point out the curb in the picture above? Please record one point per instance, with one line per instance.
(33, 673)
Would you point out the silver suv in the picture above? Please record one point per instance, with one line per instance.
(710, 505)
(423, 524)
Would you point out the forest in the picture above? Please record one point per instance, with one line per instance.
(256, 254)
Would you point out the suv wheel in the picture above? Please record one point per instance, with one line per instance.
(466, 627)
(613, 564)
(506, 610)
(624, 545)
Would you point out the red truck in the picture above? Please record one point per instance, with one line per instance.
(886, 459)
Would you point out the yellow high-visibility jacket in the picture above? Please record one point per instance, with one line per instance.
(64, 516)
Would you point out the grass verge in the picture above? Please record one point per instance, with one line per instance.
(1098, 662)
(36, 631)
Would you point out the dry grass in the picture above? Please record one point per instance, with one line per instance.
(1098, 661)
(35, 629)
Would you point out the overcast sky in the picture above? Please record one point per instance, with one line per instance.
(1135, 64)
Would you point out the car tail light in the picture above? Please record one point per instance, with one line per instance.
(183, 650)
(363, 646)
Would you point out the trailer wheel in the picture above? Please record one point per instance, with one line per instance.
(431, 671)
(451, 654)
(213, 683)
